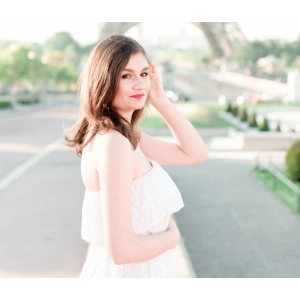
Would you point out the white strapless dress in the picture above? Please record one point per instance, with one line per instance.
(154, 198)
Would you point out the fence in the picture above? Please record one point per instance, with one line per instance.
(276, 175)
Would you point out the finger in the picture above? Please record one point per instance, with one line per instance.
(153, 67)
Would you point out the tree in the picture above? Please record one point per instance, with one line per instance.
(251, 51)
(16, 65)
(60, 41)
(65, 59)
(254, 50)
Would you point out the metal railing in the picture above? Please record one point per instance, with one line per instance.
(277, 175)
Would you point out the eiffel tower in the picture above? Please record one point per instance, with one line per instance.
(222, 36)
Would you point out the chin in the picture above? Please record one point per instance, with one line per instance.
(139, 104)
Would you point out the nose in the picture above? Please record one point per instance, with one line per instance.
(139, 83)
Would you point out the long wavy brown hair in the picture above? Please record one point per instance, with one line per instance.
(97, 87)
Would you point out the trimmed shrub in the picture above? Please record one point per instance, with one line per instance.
(235, 111)
(5, 104)
(24, 101)
(243, 114)
(277, 128)
(252, 120)
(292, 160)
(229, 108)
(28, 101)
(264, 125)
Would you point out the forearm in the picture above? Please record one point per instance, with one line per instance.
(184, 133)
(146, 247)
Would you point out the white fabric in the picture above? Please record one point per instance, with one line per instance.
(154, 198)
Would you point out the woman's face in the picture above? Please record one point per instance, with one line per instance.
(134, 80)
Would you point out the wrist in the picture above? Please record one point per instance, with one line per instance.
(160, 102)
(175, 237)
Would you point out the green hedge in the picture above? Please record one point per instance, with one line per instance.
(292, 160)
(28, 101)
(5, 104)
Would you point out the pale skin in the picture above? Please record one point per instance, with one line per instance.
(112, 165)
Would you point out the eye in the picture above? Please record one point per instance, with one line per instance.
(124, 76)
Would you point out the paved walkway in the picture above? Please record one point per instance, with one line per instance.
(40, 198)
(232, 225)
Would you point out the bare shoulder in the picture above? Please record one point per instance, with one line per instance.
(113, 149)
(112, 139)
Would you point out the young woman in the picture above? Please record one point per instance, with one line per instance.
(129, 197)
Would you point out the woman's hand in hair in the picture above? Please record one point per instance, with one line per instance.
(156, 89)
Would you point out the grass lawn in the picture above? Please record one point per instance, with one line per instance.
(201, 116)
(288, 196)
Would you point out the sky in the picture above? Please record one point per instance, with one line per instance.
(87, 32)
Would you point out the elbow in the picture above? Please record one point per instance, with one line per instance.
(204, 156)
(120, 253)
(119, 259)
(207, 155)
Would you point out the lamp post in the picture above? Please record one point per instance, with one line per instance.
(31, 55)
(54, 74)
(12, 48)
(54, 63)
(44, 61)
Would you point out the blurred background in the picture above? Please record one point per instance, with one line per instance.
(237, 83)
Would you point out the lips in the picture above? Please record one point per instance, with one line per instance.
(137, 96)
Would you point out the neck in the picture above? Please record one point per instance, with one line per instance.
(126, 114)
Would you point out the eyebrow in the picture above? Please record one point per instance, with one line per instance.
(130, 70)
